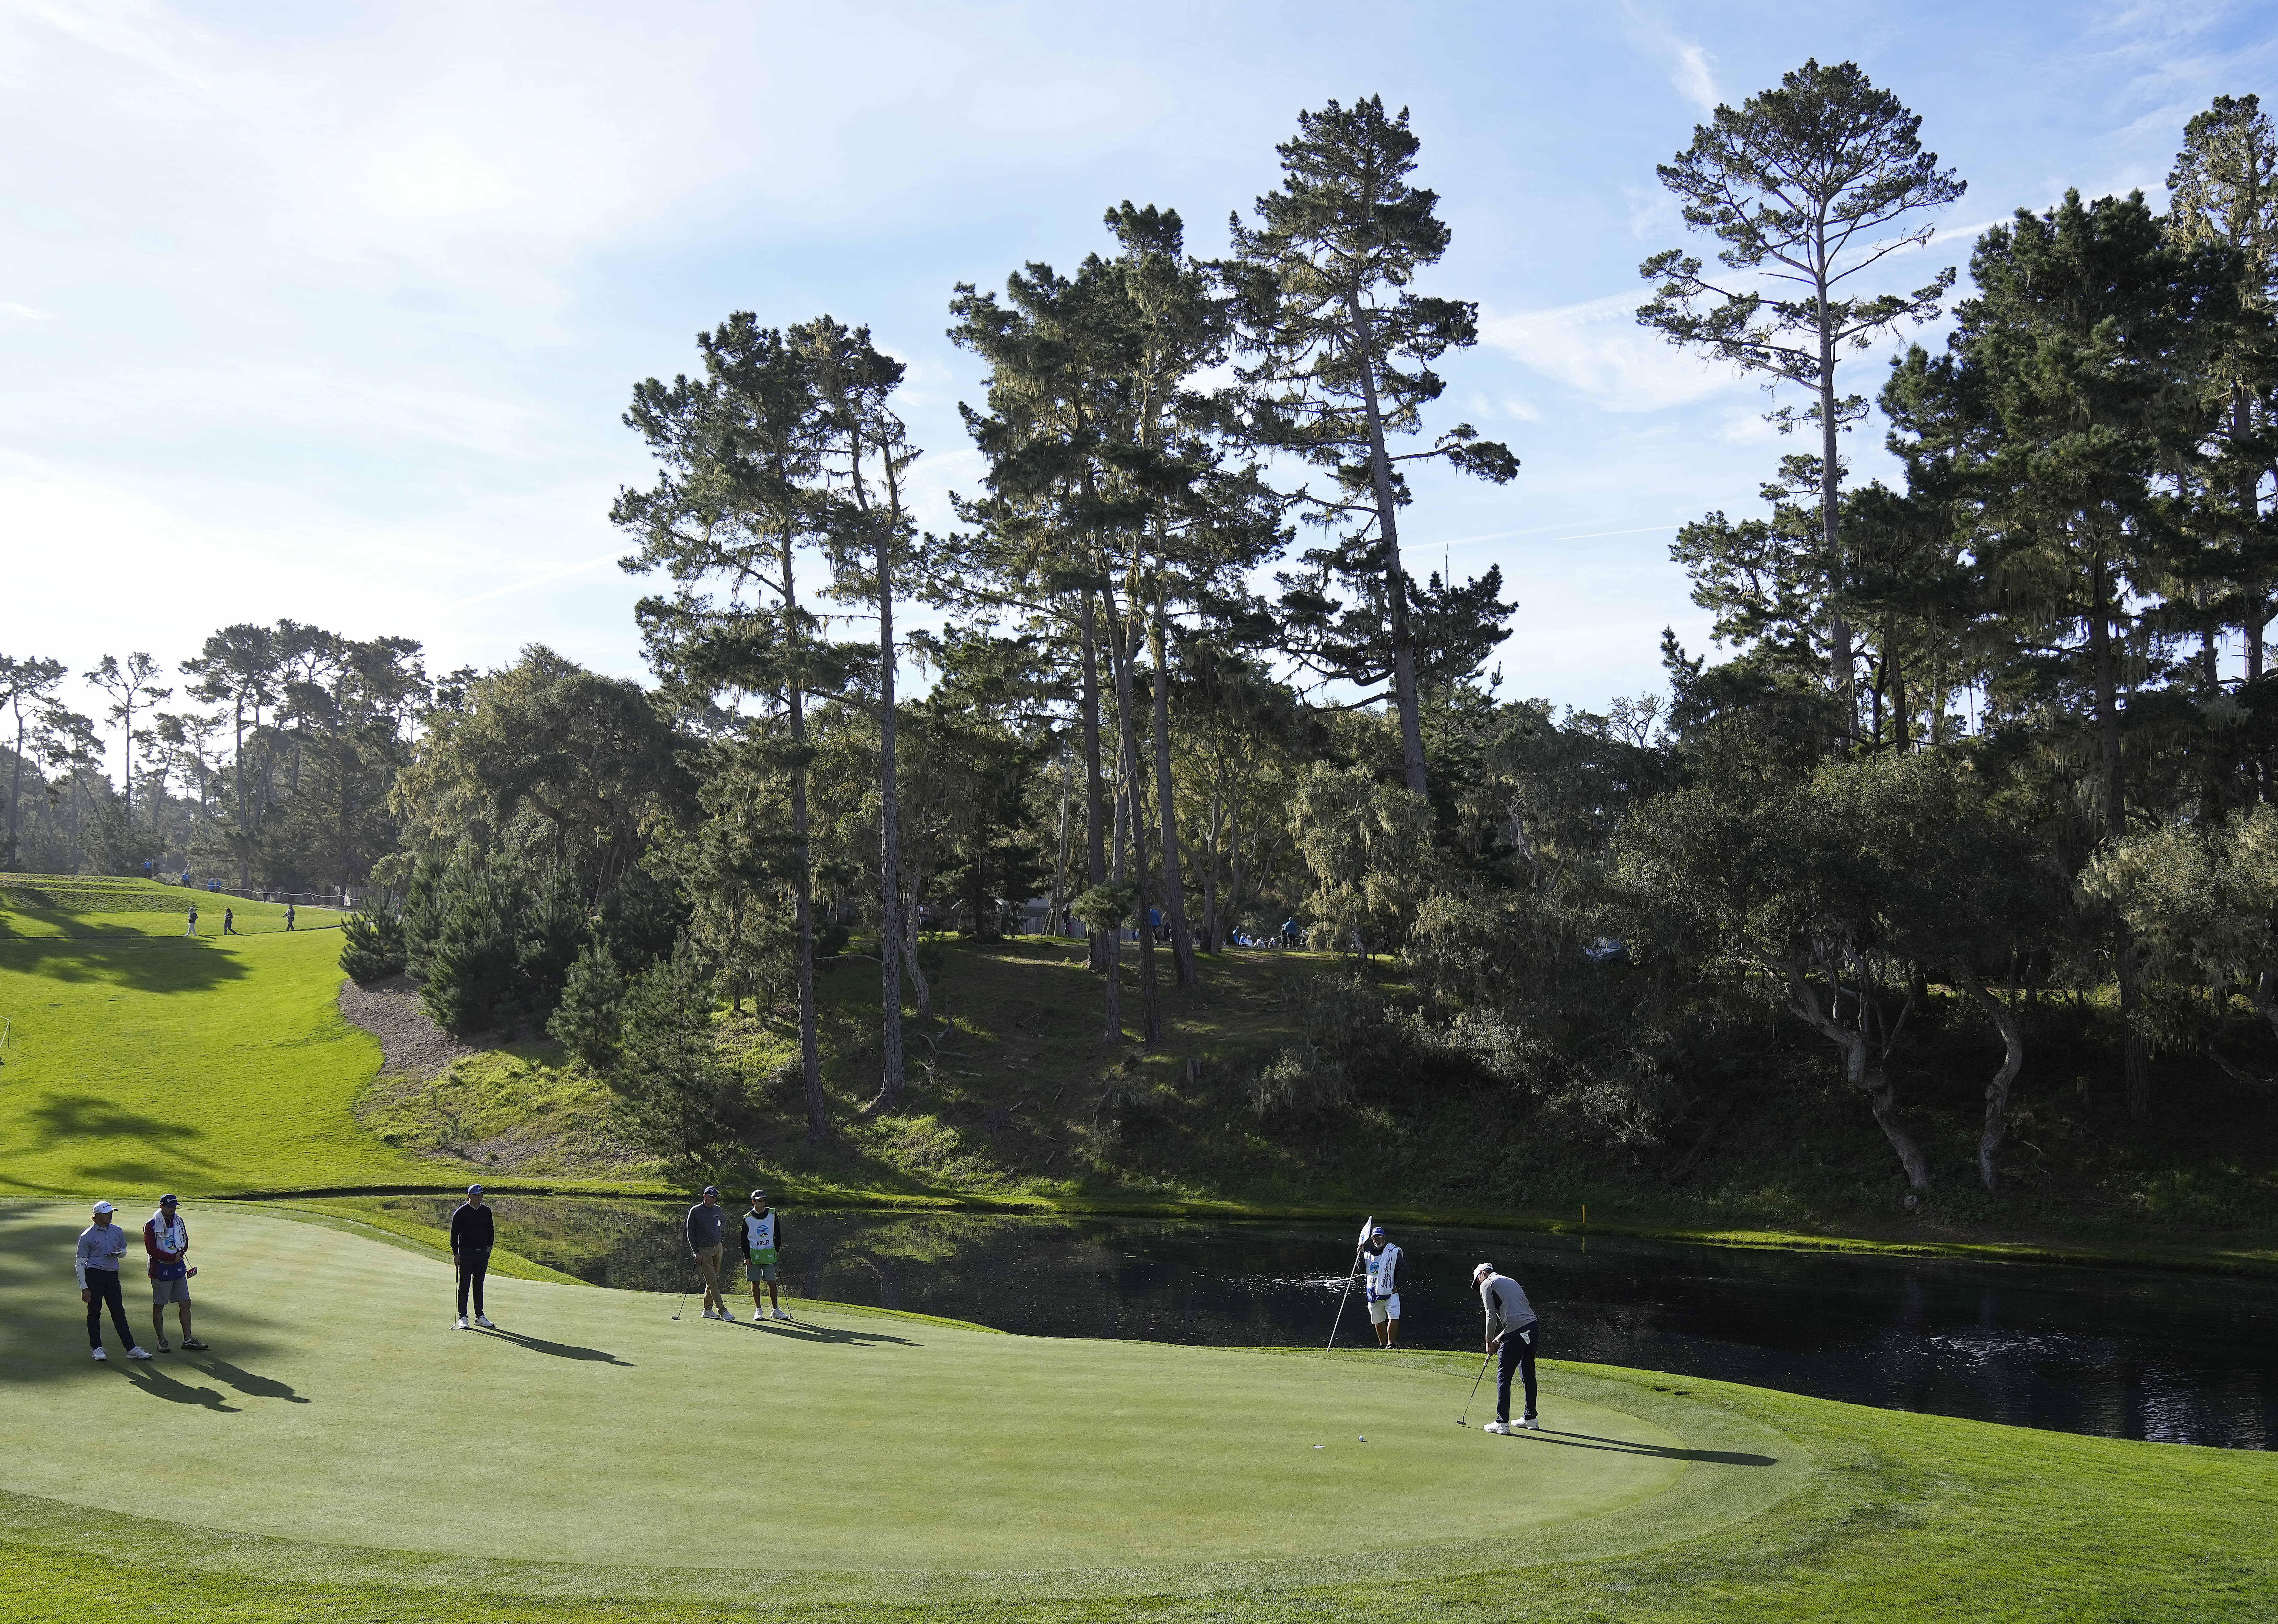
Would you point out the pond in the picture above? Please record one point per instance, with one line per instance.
(2176, 1358)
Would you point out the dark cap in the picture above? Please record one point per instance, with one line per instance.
(711, 1189)
(168, 1200)
(759, 1195)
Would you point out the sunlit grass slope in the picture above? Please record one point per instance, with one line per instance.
(137, 1058)
(342, 1454)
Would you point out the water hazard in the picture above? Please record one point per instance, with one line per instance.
(2174, 1357)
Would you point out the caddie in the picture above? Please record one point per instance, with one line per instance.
(1385, 1262)
(165, 1239)
(763, 1252)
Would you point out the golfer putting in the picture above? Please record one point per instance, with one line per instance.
(763, 1248)
(1510, 1329)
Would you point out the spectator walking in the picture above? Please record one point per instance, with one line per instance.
(289, 916)
(706, 1224)
(101, 1245)
(473, 1234)
(193, 928)
(229, 921)
(165, 1237)
(1512, 1327)
(763, 1247)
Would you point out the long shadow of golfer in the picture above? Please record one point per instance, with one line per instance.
(253, 1386)
(559, 1350)
(806, 1331)
(1626, 1447)
(162, 1387)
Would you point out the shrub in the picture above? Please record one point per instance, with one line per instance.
(474, 981)
(675, 1094)
(373, 947)
(590, 1017)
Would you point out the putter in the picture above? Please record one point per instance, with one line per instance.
(683, 1300)
(1464, 1420)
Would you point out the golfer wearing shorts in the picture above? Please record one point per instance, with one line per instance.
(762, 1246)
(1512, 1327)
(1384, 1262)
(474, 1231)
(706, 1224)
(165, 1237)
(101, 1245)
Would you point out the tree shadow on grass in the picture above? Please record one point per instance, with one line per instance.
(559, 1350)
(1629, 1446)
(160, 1148)
(147, 963)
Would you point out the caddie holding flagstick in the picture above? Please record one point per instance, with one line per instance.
(763, 1248)
(1385, 1264)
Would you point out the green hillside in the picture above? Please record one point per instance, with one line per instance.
(137, 1058)
(594, 1459)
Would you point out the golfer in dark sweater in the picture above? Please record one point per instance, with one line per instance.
(473, 1235)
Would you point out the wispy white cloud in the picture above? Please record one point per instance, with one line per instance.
(21, 312)
(1598, 350)
(1688, 65)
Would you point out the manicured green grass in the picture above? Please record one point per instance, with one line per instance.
(341, 1455)
(137, 1059)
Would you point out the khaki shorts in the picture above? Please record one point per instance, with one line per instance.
(164, 1292)
(1384, 1308)
(760, 1271)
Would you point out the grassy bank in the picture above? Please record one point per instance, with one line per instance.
(596, 1461)
(222, 1067)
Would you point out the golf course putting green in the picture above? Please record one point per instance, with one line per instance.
(340, 1427)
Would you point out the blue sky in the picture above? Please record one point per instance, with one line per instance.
(330, 312)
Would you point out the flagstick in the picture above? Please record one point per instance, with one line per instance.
(1340, 1303)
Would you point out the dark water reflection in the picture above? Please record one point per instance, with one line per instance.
(2175, 1357)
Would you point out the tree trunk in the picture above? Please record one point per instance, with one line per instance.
(1059, 868)
(918, 985)
(1862, 1071)
(1405, 689)
(810, 1049)
(1094, 786)
(1996, 1091)
(893, 1082)
(2135, 1054)
(1167, 815)
(1123, 647)
(1842, 668)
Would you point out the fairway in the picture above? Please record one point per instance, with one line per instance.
(136, 1055)
(341, 1426)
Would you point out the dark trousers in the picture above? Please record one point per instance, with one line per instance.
(472, 1267)
(1517, 1355)
(102, 1287)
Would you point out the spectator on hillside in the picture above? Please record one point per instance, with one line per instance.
(473, 1233)
(166, 1238)
(193, 929)
(289, 916)
(706, 1222)
(101, 1245)
(229, 921)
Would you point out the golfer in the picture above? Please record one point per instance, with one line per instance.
(101, 1245)
(762, 1246)
(165, 1237)
(1384, 1262)
(706, 1225)
(1511, 1326)
(473, 1233)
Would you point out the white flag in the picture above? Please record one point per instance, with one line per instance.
(1366, 1224)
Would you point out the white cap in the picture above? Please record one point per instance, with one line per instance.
(1481, 1272)
(104, 1207)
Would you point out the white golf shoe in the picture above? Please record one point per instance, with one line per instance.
(781, 1314)
(100, 1357)
(729, 1317)
(136, 1352)
(709, 1315)
(1497, 1427)
(485, 1322)
(1530, 1424)
(461, 1324)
